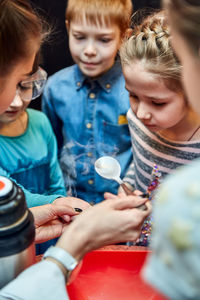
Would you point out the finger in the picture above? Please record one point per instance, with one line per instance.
(66, 218)
(109, 196)
(73, 202)
(45, 234)
(149, 206)
(126, 189)
(61, 210)
(142, 207)
(128, 202)
(49, 212)
(137, 193)
(121, 194)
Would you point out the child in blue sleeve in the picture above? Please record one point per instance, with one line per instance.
(28, 152)
(87, 102)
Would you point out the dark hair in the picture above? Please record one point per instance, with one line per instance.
(19, 27)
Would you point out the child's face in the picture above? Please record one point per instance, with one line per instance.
(152, 102)
(14, 110)
(9, 84)
(93, 48)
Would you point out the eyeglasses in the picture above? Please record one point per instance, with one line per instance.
(32, 87)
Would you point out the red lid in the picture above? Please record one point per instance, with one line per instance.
(2, 184)
(6, 186)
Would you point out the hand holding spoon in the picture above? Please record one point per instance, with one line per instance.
(109, 168)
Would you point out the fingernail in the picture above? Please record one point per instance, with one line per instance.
(144, 195)
(78, 209)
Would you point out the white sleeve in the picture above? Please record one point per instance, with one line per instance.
(43, 280)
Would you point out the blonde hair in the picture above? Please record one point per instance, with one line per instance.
(150, 44)
(185, 15)
(99, 12)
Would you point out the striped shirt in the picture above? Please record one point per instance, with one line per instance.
(150, 148)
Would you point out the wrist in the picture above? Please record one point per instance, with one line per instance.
(64, 260)
(61, 267)
(75, 241)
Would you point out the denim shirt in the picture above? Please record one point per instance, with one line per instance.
(89, 120)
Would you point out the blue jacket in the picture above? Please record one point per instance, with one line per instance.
(89, 120)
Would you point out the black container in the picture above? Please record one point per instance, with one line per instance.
(17, 232)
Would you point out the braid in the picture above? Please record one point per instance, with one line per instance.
(150, 43)
(153, 36)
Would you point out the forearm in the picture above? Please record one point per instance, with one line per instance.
(37, 199)
(32, 199)
(75, 242)
(42, 281)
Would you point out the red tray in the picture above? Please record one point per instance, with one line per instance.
(112, 273)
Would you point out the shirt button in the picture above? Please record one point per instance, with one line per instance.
(89, 154)
(78, 83)
(89, 125)
(108, 86)
(90, 181)
(92, 95)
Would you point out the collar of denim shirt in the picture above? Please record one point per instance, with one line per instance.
(106, 81)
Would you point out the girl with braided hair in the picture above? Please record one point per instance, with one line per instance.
(165, 130)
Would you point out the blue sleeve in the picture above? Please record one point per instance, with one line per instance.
(57, 185)
(43, 280)
(31, 198)
(48, 107)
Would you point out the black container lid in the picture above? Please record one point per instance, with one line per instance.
(17, 230)
(12, 203)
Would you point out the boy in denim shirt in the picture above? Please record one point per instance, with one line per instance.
(87, 102)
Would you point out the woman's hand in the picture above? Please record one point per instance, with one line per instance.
(49, 221)
(111, 221)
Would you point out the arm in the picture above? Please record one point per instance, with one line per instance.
(109, 222)
(49, 109)
(56, 185)
(43, 280)
(31, 198)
